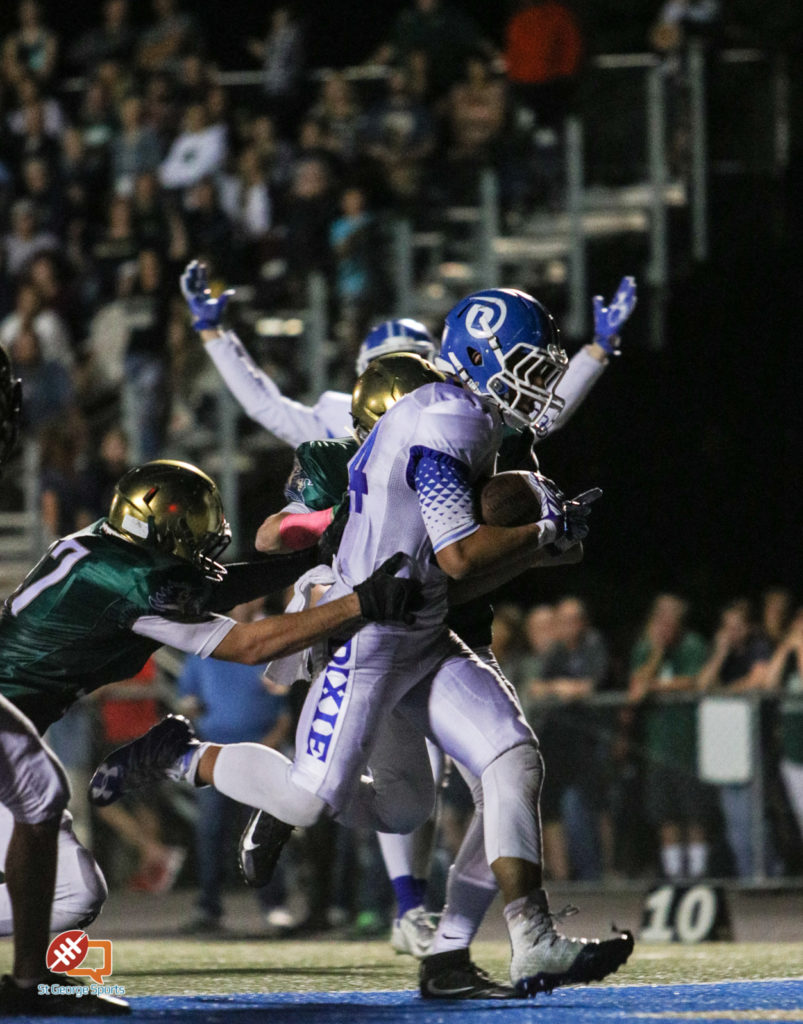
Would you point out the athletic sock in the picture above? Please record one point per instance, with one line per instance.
(410, 892)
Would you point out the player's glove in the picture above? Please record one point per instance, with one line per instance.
(329, 541)
(552, 521)
(384, 597)
(609, 319)
(575, 518)
(206, 311)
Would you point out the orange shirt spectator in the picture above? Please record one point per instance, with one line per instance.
(543, 41)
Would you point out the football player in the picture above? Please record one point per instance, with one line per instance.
(328, 418)
(411, 486)
(91, 612)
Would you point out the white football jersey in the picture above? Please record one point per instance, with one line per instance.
(411, 487)
(261, 399)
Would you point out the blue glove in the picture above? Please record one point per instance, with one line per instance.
(206, 311)
(608, 319)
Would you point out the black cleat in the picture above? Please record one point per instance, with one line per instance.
(151, 758)
(30, 1002)
(260, 845)
(452, 975)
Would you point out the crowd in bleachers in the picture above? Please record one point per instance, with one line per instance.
(122, 156)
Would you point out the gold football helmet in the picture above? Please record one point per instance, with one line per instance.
(175, 508)
(383, 383)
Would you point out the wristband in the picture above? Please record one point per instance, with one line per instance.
(302, 529)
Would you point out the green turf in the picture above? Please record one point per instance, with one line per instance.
(186, 967)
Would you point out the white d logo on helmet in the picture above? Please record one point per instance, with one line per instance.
(485, 317)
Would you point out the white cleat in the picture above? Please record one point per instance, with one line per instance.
(414, 931)
(543, 958)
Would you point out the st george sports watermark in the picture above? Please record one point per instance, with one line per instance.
(67, 955)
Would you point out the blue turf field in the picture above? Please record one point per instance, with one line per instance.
(727, 1001)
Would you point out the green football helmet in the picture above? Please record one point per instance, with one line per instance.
(383, 383)
(10, 407)
(173, 507)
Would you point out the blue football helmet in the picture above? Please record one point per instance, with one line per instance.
(504, 344)
(396, 336)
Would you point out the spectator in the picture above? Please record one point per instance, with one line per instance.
(33, 49)
(150, 220)
(197, 151)
(97, 121)
(105, 468)
(34, 139)
(135, 149)
(306, 217)
(145, 391)
(475, 118)
(666, 660)
(507, 639)
(61, 501)
(574, 667)
(338, 114)
(738, 664)
(38, 185)
(163, 43)
(776, 611)
(245, 197)
(229, 704)
(544, 51)
(282, 54)
(357, 257)
(52, 335)
(539, 632)
(443, 32)
(113, 39)
(29, 93)
(209, 230)
(115, 253)
(25, 239)
(49, 392)
(275, 154)
(399, 135)
(785, 676)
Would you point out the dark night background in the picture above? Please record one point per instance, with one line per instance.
(697, 447)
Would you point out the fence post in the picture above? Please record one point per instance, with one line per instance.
(576, 317)
(487, 263)
(657, 270)
(402, 244)
(699, 151)
(315, 336)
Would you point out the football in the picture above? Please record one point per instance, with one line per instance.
(506, 499)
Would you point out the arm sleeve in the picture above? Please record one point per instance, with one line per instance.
(445, 496)
(583, 373)
(199, 638)
(259, 396)
(245, 581)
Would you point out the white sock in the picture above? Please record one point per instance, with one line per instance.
(697, 859)
(672, 860)
(257, 776)
(466, 905)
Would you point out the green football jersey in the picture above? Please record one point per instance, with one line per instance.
(320, 472)
(68, 628)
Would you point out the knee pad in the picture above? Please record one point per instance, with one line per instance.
(512, 791)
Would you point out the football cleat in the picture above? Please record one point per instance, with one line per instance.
(452, 975)
(28, 1002)
(414, 931)
(260, 845)
(544, 959)
(164, 752)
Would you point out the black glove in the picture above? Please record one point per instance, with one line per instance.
(386, 598)
(329, 541)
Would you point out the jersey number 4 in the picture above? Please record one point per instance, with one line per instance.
(66, 553)
(358, 481)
